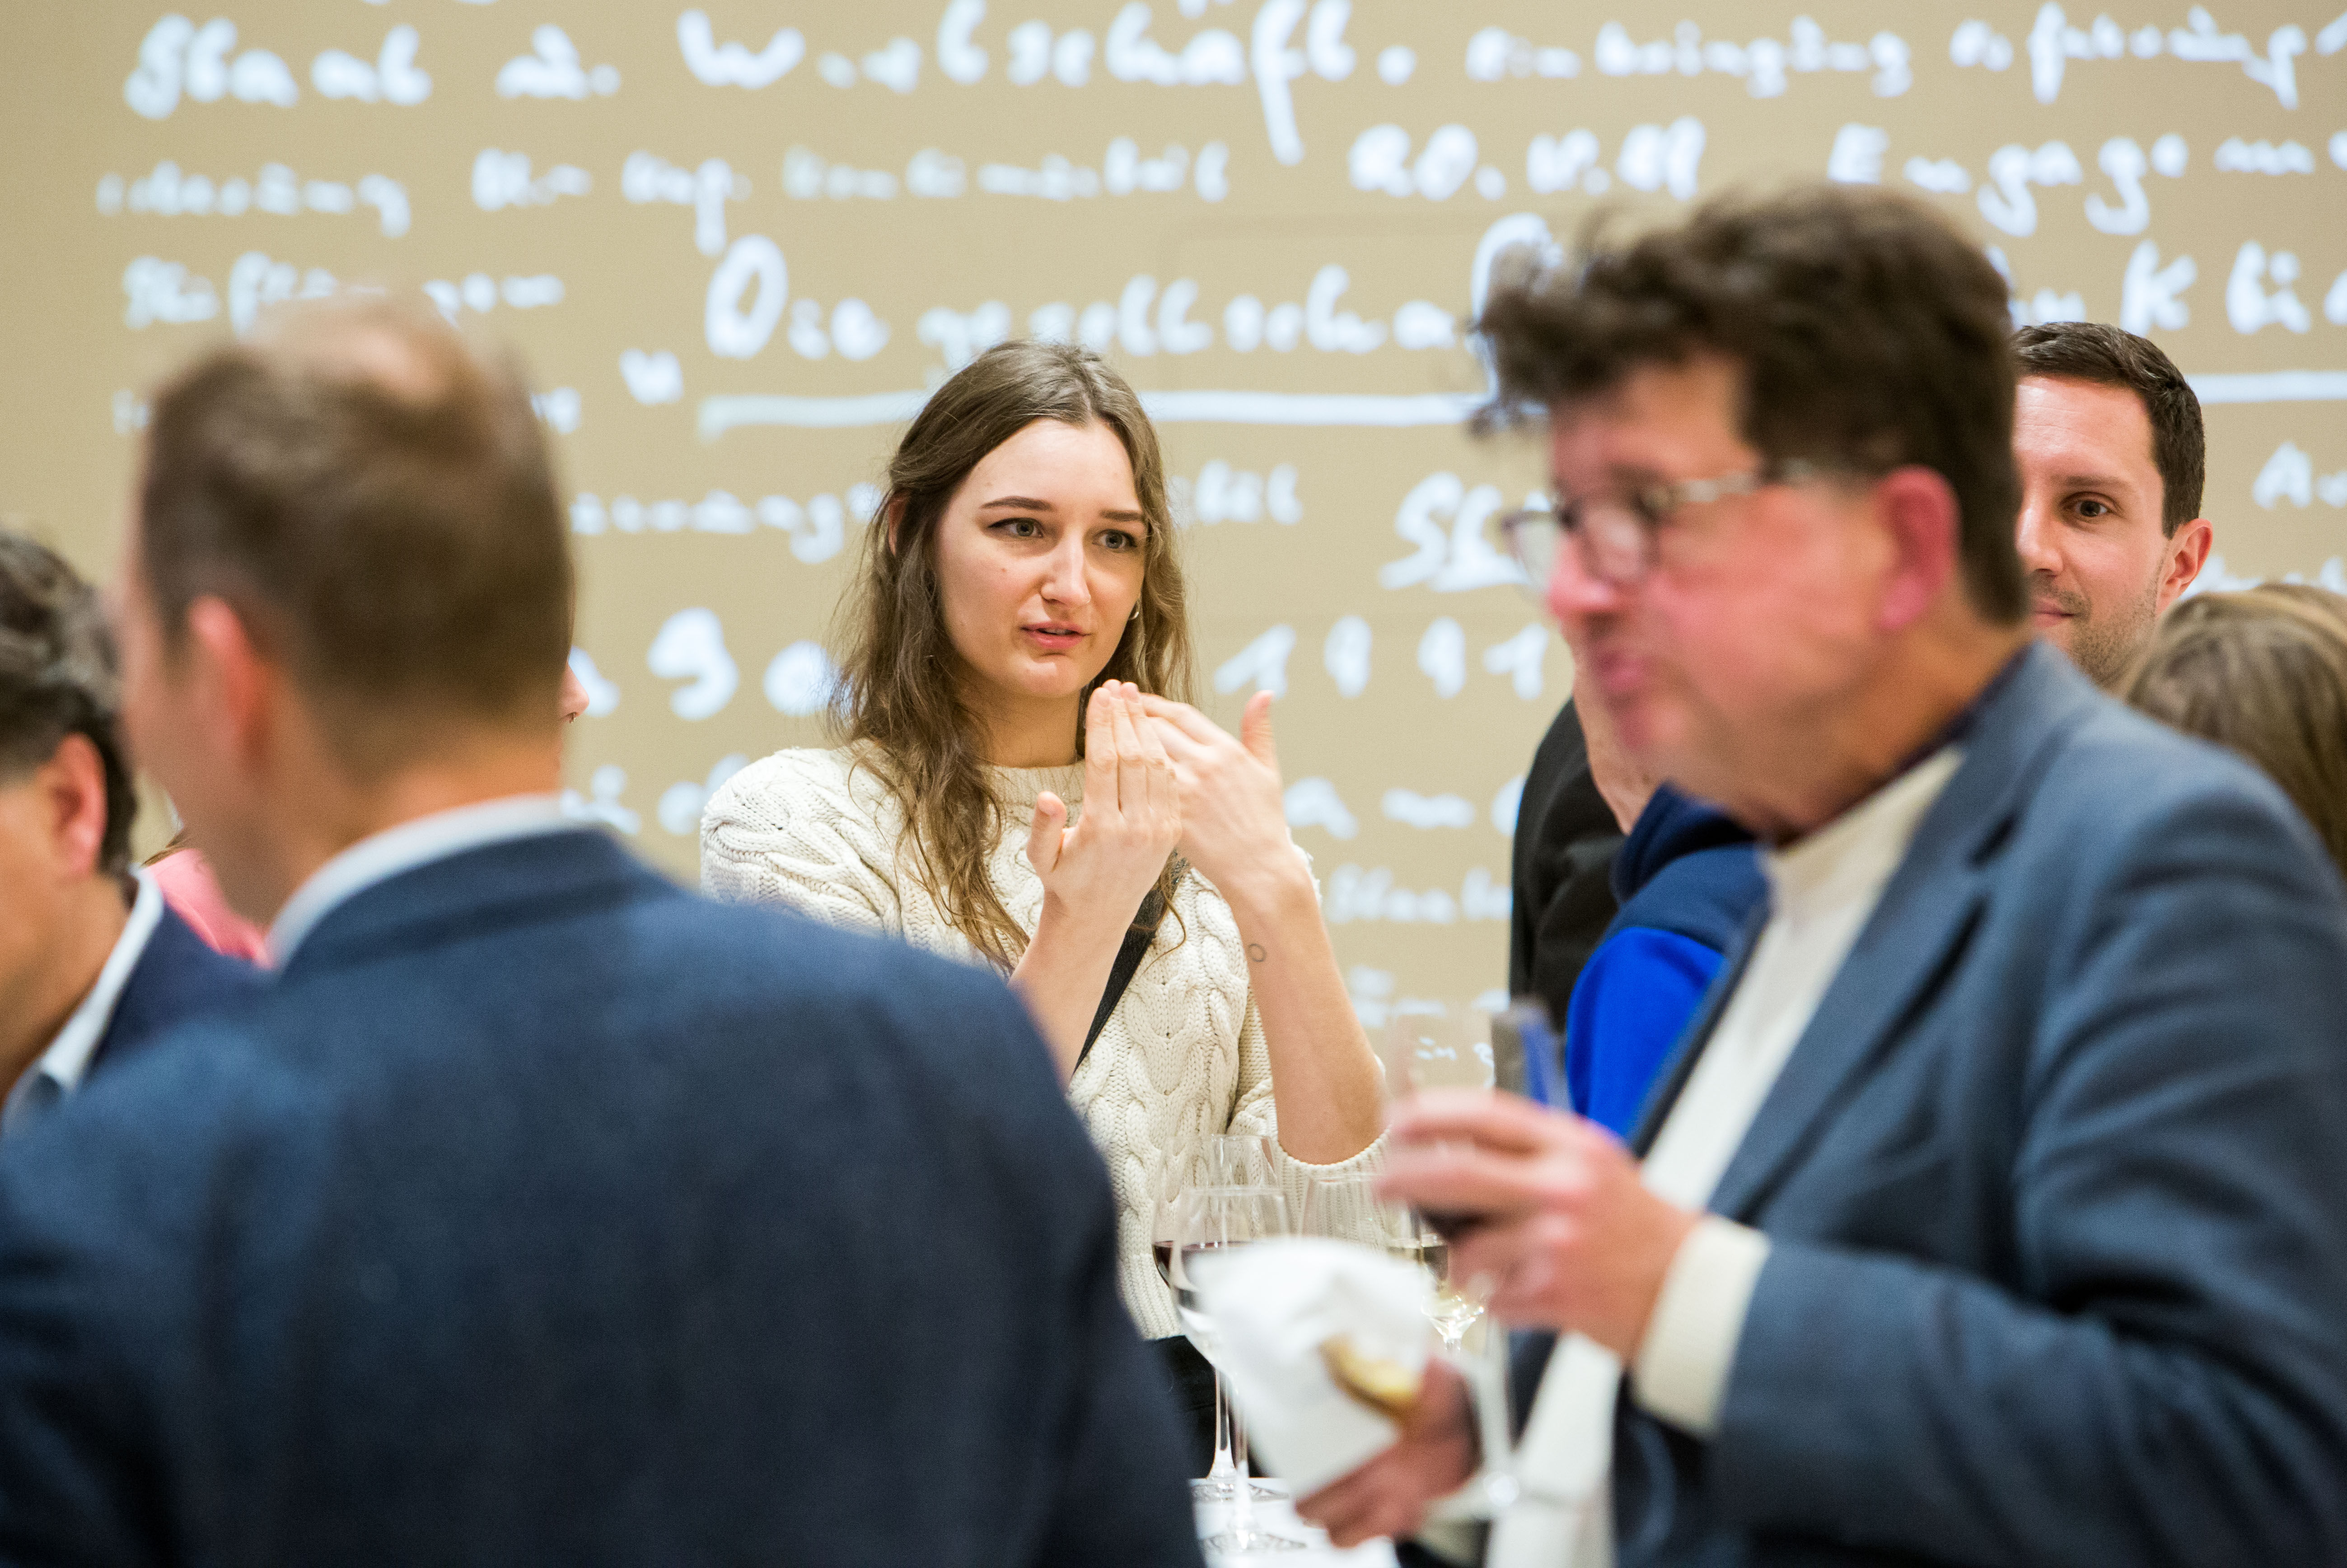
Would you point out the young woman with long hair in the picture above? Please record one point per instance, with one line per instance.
(1022, 781)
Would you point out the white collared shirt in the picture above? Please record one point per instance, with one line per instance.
(67, 1059)
(1822, 891)
(417, 842)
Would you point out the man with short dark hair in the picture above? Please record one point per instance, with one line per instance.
(1989, 1211)
(2108, 435)
(542, 1212)
(93, 966)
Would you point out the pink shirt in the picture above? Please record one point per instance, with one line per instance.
(194, 894)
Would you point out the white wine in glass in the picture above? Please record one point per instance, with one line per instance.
(1212, 1219)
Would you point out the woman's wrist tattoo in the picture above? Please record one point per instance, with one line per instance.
(1256, 953)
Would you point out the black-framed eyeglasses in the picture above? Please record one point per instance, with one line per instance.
(1616, 534)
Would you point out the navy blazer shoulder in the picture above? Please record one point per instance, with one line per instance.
(2051, 1186)
(178, 978)
(543, 1212)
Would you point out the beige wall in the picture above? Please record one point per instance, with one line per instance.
(849, 182)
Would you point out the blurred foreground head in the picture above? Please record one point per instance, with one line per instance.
(2265, 673)
(347, 587)
(1781, 434)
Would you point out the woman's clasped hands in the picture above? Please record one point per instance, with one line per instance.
(1099, 870)
(1233, 818)
(1158, 776)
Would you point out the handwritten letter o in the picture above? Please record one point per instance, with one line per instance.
(732, 335)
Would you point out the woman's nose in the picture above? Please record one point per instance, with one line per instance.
(1065, 582)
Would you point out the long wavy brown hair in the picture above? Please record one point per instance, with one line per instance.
(902, 686)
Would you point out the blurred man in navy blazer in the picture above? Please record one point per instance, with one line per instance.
(540, 1212)
(93, 965)
(1996, 1209)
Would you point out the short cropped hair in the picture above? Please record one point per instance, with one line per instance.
(59, 677)
(2107, 355)
(376, 502)
(2265, 673)
(1868, 332)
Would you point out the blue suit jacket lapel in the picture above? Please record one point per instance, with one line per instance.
(1915, 935)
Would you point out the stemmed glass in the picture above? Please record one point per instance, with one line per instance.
(1427, 1050)
(1348, 1208)
(1207, 1219)
(1222, 1160)
(1174, 1184)
(1236, 1160)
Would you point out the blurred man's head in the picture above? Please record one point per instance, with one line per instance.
(573, 700)
(66, 799)
(1782, 434)
(346, 591)
(2108, 434)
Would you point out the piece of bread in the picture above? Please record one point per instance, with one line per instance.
(1385, 1387)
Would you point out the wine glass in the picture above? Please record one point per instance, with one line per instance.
(1346, 1208)
(1433, 1051)
(1175, 1182)
(1209, 1219)
(1172, 1179)
(1178, 1177)
(1442, 1050)
(1236, 1160)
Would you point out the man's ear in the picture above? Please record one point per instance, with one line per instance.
(1919, 510)
(2188, 552)
(72, 785)
(228, 673)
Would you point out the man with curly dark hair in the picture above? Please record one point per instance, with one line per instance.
(1988, 1211)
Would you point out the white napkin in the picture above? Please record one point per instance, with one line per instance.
(1273, 1305)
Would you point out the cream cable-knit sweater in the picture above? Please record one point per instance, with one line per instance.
(1182, 1057)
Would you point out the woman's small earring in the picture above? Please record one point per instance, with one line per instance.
(1136, 613)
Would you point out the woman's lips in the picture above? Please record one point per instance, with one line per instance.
(1055, 639)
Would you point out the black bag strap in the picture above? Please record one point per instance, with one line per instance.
(1129, 954)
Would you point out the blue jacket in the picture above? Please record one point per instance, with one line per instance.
(2055, 1185)
(1686, 879)
(177, 978)
(544, 1213)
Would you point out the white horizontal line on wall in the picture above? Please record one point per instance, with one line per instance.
(2272, 386)
(720, 414)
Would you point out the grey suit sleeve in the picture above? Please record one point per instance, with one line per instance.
(2169, 1387)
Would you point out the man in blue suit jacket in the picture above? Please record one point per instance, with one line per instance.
(540, 1212)
(93, 965)
(1994, 1211)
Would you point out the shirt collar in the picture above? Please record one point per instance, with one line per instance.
(1852, 858)
(414, 843)
(67, 1058)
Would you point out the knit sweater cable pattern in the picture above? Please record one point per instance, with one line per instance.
(1181, 1058)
